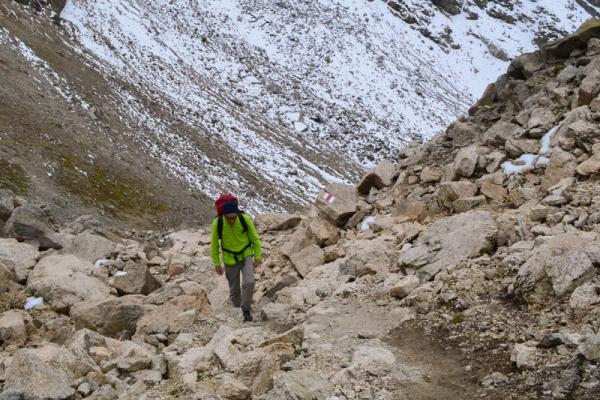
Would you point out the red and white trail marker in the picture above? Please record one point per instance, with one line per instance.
(329, 198)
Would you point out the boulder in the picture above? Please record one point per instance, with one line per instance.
(276, 222)
(7, 206)
(300, 384)
(324, 232)
(369, 257)
(5, 278)
(563, 47)
(232, 389)
(307, 259)
(448, 192)
(585, 296)
(523, 356)
(260, 365)
(36, 379)
(449, 241)
(12, 326)
(65, 280)
(499, 133)
(468, 203)
(176, 316)
(185, 242)
(337, 203)
(31, 224)
(87, 246)
(379, 177)
(589, 88)
(466, 161)
(110, 317)
(19, 258)
(136, 280)
(556, 268)
(525, 65)
(589, 166)
(404, 286)
(590, 349)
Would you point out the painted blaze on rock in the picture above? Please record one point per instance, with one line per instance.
(337, 202)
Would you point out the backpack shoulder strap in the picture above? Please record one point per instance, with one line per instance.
(220, 226)
(243, 222)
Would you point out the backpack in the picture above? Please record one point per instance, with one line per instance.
(219, 206)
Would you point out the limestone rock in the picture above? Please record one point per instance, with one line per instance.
(307, 259)
(176, 316)
(276, 222)
(563, 47)
(405, 286)
(136, 280)
(31, 224)
(12, 326)
(449, 241)
(36, 379)
(523, 356)
(300, 385)
(87, 246)
(337, 202)
(556, 268)
(65, 280)
(590, 349)
(379, 177)
(233, 389)
(19, 258)
(110, 317)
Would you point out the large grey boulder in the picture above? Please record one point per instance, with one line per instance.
(65, 280)
(337, 203)
(449, 241)
(110, 317)
(31, 223)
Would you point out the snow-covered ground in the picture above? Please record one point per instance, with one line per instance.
(348, 75)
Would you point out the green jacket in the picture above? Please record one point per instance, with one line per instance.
(233, 239)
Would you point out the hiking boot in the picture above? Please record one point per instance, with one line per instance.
(247, 316)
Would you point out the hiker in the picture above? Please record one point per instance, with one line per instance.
(241, 253)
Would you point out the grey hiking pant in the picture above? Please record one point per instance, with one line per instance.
(232, 272)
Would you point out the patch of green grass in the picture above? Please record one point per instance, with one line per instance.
(115, 194)
(458, 318)
(13, 177)
(174, 392)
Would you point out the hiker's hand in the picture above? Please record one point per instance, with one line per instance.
(257, 263)
(219, 270)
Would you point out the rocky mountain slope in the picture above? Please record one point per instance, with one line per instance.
(468, 269)
(142, 112)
